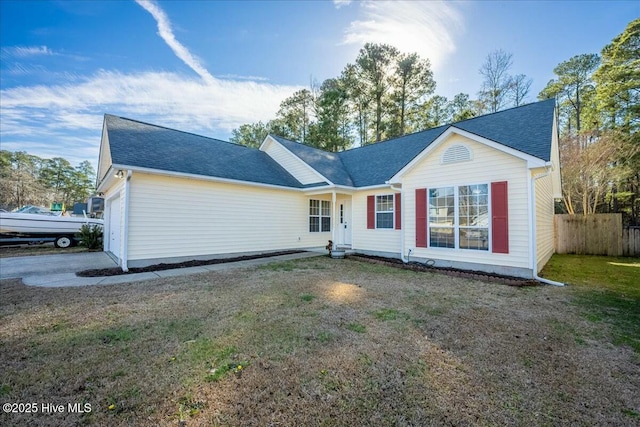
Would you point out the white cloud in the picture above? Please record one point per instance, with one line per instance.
(241, 77)
(426, 27)
(66, 119)
(339, 3)
(166, 33)
(26, 51)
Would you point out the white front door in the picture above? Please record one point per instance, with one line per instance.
(344, 222)
(114, 227)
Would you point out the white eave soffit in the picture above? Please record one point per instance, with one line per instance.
(532, 162)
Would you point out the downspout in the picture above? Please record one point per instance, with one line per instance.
(125, 225)
(402, 230)
(533, 232)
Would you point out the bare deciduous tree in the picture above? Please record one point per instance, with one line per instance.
(496, 83)
(589, 168)
(519, 88)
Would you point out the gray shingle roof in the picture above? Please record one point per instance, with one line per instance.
(326, 163)
(374, 164)
(527, 129)
(143, 145)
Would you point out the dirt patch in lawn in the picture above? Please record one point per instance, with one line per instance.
(315, 341)
(116, 271)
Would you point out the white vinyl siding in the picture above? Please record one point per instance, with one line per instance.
(555, 161)
(177, 217)
(378, 240)
(544, 220)
(105, 155)
(487, 165)
(292, 163)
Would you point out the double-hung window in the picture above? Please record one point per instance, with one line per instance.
(442, 217)
(384, 211)
(319, 215)
(459, 217)
(473, 216)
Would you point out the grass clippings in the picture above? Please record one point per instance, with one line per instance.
(375, 346)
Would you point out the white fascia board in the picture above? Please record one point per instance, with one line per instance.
(343, 189)
(104, 124)
(107, 179)
(272, 140)
(314, 191)
(267, 140)
(373, 187)
(203, 177)
(340, 189)
(532, 161)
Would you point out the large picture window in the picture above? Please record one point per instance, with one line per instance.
(319, 215)
(384, 211)
(459, 217)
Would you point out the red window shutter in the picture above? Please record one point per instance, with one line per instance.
(421, 217)
(499, 217)
(371, 212)
(397, 198)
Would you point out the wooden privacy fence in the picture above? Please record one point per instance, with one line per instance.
(597, 234)
(631, 241)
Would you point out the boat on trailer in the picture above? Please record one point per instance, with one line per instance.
(33, 223)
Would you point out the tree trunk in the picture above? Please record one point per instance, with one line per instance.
(378, 117)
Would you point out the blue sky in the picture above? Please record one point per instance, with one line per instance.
(208, 66)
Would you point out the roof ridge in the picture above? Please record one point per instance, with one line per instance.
(177, 130)
(444, 125)
(502, 111)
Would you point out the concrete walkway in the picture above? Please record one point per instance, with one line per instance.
(68, 279)
(16, 267)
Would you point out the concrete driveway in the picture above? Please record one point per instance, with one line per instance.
(39, 265)
(54, 271)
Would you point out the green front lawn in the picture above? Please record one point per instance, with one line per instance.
(608, 290)
(615, 274)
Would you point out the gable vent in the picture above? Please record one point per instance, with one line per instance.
(456, 154)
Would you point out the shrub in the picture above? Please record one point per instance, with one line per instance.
(90, 236)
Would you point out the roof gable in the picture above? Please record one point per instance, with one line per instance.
(376, 163)
(525, 131)
(326, 163)
(143, 145)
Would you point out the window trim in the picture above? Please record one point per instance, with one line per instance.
(456, 218)
(320, 215)
(392, 211)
